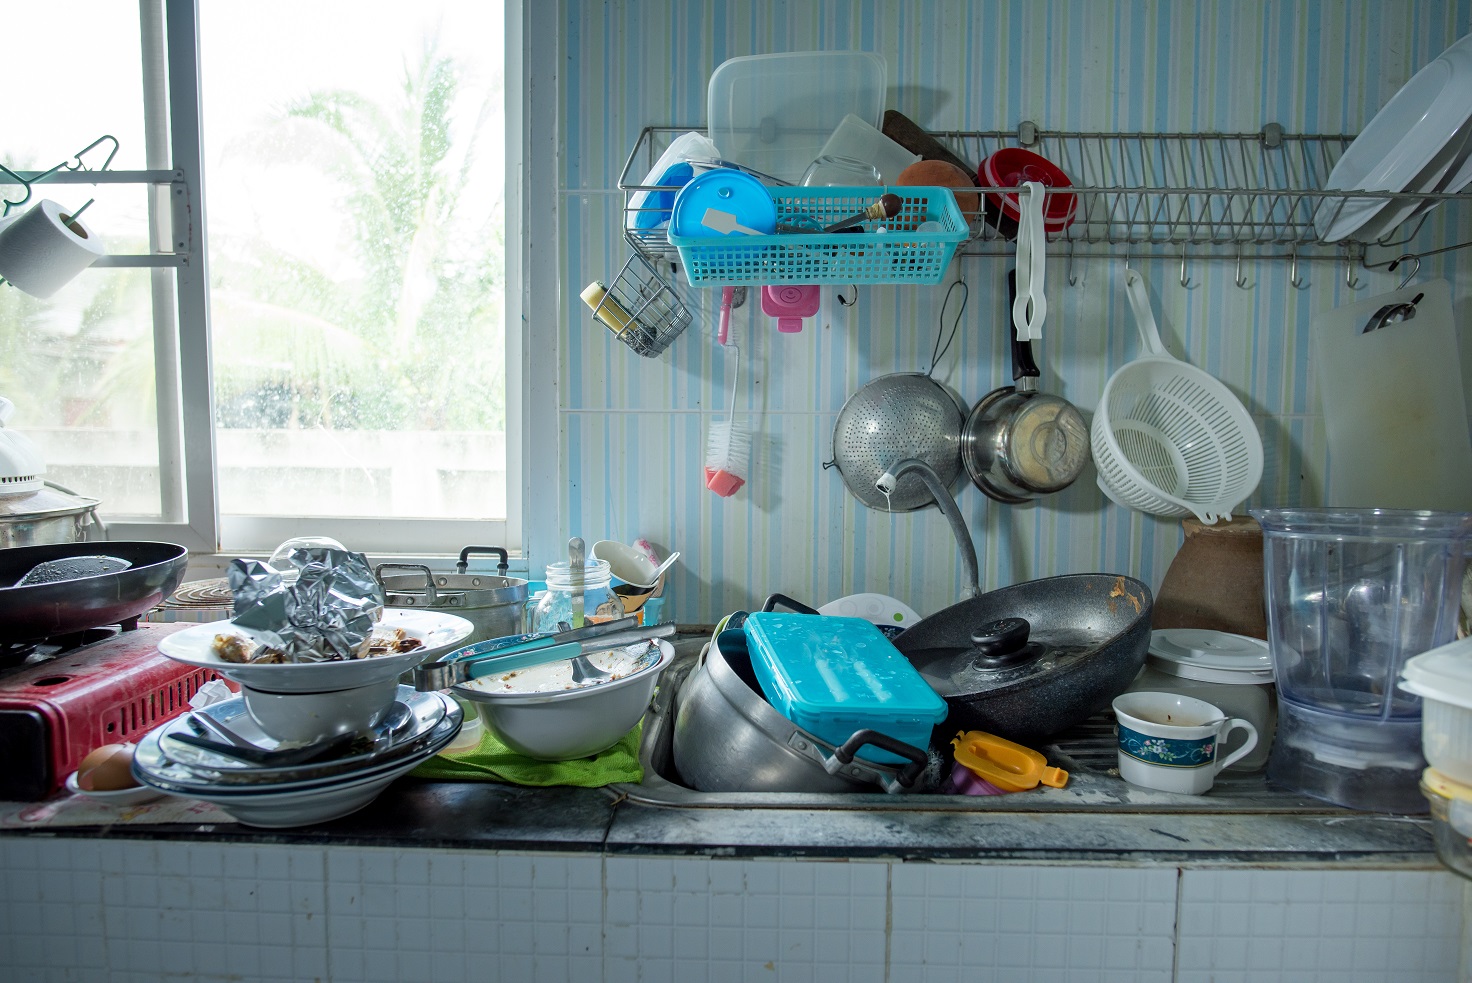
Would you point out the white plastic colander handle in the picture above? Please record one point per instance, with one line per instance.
(1134, 285)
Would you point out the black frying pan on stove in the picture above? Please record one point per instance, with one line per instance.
(39, 611)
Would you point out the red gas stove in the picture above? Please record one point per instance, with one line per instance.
(101, 686)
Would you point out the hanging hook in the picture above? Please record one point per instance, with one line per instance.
(1241, 280)
(1072, 276)
(1293, 276)
(79, 166)
(1350, 280)
(1409, 276)
(849, 303)
(1185, 280)
(17, 179)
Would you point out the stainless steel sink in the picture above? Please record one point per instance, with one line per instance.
(1087, 752)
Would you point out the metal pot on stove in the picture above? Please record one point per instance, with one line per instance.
(33, 511)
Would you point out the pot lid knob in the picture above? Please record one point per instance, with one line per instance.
(1001, 643)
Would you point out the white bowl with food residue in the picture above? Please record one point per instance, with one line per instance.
(436, 633)
(543, 713)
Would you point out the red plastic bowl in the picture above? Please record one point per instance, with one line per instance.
(1010, 167)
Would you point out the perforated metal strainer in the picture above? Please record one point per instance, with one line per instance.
(907, 414)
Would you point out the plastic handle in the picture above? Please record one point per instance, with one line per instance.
(797, 607)
(1134, 286)
(1023, 365)
(1031, 305)
(916, 759)
(503, 559)
(724, 331)
(1232, 724)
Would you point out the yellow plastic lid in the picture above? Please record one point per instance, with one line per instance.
(1448, 788)
(1011, 767)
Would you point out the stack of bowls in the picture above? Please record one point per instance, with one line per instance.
(306, 702)
(415, 727)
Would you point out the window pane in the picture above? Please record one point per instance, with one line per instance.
(79, 366)
(355, 177)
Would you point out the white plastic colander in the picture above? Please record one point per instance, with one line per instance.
(1168, 438)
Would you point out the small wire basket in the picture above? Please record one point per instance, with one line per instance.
(639, 308)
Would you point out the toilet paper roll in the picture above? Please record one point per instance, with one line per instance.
(39, 253)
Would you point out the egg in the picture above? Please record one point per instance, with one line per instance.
(107, 769)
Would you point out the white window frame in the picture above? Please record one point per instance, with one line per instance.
(183, 365)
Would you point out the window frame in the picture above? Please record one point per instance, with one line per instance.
(182, 334)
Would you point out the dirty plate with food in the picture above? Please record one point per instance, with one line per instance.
(438, 633)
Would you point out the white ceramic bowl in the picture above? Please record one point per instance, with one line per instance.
(306, 718)
(571, 723)
(439, 632)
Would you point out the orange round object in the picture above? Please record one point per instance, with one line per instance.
(939, 173)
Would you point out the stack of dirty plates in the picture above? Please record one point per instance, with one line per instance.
(413, 729)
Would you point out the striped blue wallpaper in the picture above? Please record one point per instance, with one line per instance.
(633, 429)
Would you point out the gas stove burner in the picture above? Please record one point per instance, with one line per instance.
(30, 653)
(209, 593)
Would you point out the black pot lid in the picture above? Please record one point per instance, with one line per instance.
(1024, 634)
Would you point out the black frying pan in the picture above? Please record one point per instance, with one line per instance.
(42, 610)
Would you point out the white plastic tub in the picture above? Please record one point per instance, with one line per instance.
(1442, 678)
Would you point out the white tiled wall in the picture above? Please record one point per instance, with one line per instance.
(123, 910)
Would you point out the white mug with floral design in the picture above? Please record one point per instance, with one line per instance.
(1169, 742)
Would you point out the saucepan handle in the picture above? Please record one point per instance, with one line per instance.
(845, 753)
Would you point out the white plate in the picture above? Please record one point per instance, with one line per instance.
(439, 632)
(117, 797)
(1404, 148)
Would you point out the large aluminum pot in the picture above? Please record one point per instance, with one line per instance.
(494, 604)
(49, 516)
(728, 738)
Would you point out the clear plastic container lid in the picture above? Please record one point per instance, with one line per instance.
(1364, 524)
(1443, 674)
(773, 113)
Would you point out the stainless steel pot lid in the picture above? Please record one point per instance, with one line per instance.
(44, 503)
(1018, 636)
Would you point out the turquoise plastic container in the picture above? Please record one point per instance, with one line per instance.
(836, 676)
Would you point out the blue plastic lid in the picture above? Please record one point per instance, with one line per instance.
(830, 666)
(723, 196)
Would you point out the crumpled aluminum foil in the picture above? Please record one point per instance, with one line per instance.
(323, 615)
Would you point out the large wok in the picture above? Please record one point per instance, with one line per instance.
(39, 611)
(1029, 661)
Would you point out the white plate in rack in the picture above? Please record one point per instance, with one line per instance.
(1410, 145)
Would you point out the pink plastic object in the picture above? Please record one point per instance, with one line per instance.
(725, 329)
(789, 304)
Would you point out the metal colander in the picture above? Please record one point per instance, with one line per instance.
(907, 414)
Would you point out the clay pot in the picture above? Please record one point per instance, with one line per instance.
(1216, 580)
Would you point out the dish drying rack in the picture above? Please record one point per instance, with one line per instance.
(1199, 195)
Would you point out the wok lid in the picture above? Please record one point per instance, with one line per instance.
(1021, 635)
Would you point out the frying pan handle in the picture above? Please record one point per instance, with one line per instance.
(503, 558)
(916, 758)
(770, 604)
(1023, 365)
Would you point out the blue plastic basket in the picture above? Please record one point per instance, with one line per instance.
(835, 676)
(897, 255)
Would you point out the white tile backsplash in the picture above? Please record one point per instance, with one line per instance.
(273, 912)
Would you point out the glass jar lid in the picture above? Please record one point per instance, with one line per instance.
(1211, 656)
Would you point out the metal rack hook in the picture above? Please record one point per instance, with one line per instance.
(1072, 276)
(1293, 277)
(1350, 280)
(1185, 280)
(849, 303)
(1409, 276)
(1241, 280)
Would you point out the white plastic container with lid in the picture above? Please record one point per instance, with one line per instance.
(1232, 672)
(1442, 678)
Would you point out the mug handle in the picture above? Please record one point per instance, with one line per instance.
(1232, 724)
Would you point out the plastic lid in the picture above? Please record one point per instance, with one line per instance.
(1005, 764)
(774, 112)
(1211, 656)
(1443, 674)
(1446, 787)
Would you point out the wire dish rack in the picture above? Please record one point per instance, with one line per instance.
(1253, 195)
(639, 308)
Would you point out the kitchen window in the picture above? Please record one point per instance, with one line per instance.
(350, 263)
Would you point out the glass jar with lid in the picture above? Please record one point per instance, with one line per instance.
(552, 609)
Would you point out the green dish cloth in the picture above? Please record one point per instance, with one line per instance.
(492, 761)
